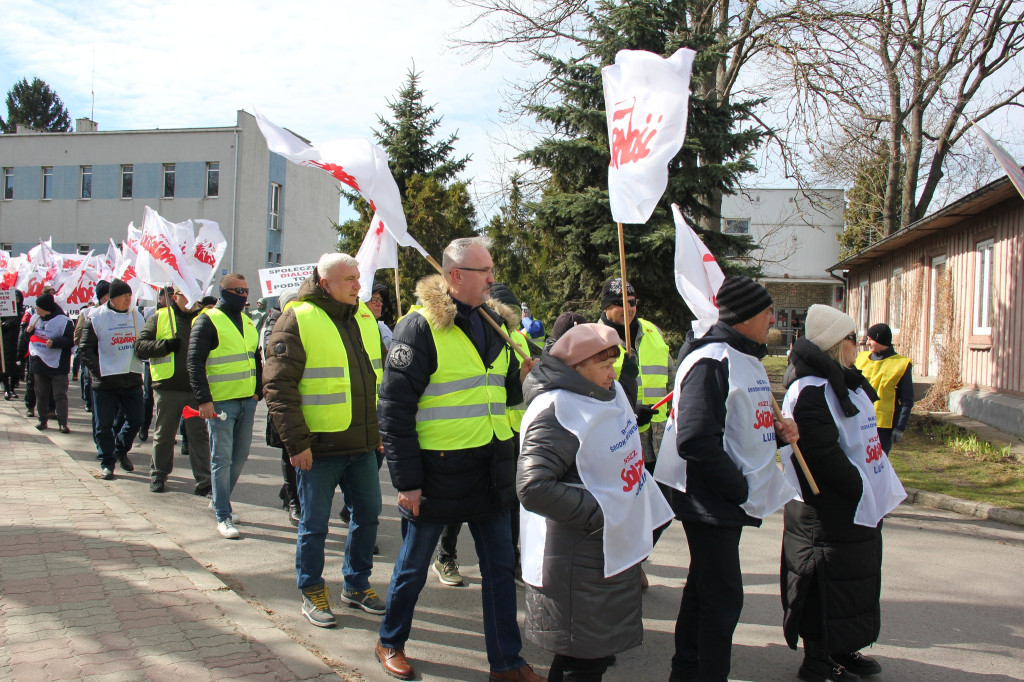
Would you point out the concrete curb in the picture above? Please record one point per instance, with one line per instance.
(981, 510)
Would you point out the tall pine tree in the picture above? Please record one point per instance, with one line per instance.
(437, 206)
(573, 215)
(36, 105)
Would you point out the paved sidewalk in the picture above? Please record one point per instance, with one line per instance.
(89, 589)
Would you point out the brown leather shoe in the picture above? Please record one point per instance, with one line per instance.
(523, 674)
(394, 662)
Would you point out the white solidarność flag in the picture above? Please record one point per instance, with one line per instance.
(208, 252)
(355, 162)
(379, 251)
(160, 259)
(646, 99)
(698, 277)
(1013, 170)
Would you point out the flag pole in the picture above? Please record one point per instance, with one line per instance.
(398, 295)
(501, 332)
(625, 295)
(796, 451)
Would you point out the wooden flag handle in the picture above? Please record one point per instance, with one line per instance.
(625, 296)
(796, 451)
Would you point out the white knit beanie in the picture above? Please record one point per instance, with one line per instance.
(826, 326)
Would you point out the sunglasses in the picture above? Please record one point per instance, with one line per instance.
(632, 303)
(852, 336)
(241, 291)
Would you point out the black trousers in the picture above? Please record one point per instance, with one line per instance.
(711, 604)
(885, 439)
(569, 669)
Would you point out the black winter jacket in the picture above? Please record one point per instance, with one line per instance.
(286, 360)
(89, 354)
(202, 340)
(831, 568)
(456, 485)
(715, 486)
(147, 346)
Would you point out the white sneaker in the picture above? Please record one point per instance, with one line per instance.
(227, 529)
(234, 516)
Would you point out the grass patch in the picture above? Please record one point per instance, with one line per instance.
(944, 458)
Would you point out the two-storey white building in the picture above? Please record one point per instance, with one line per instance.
(796, 233)
(83, 188)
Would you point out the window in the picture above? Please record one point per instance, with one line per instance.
(275, 206)
(213, 179)
(983, 304)
(47, 182)
(127, 180)
(896, 300)
(168, 181)
(6, 246)
(270, 257)
(865, 299)
(83, 249)
(8, 183)
(279, 259)
(87, 182)
(737, 226)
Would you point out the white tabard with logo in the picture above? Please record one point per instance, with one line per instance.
(610, 462)
(115, 335)
(47, 329)
(858, 437)
(749, 437)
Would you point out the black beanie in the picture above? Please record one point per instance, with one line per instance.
(47, 303)
(378, 288)
(741, 298)
(102, 289)
(611, 292)
(119, 288)
(565, 322)
(502, 294)
(880, 333)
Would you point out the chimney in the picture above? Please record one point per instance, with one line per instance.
(85, 125)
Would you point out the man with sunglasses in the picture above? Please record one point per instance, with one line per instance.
(225, 373)
(652, 355)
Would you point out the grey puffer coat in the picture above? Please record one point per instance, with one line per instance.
(578, 612)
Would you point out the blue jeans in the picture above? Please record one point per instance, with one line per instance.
(316, 493)
(106, 404)
(492, 536)
(229, 448)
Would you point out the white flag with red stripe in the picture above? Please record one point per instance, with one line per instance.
(698, 276)
(379, 251)
(646, 99)
(1011, 167)
(209, 249)
(355, 162)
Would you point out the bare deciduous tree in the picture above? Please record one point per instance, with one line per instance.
(907, 74)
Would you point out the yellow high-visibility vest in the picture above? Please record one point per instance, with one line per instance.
(653, 356)
(463, 406)
(231, 366)
(326, 383)
(161, 369)
(515, 414)
(883, 375)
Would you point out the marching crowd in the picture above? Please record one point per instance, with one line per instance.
(547, 450)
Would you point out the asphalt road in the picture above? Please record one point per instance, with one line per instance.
(952, 597)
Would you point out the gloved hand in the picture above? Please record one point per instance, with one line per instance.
(644, 414)
(897, 436)
(172, 345)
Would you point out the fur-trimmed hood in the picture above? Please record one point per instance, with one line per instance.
(432, 292)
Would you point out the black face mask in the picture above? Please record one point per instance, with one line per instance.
(232, 300)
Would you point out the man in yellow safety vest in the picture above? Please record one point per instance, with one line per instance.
(448, 381)
(323, 368)
(892, 377)
(225, 373)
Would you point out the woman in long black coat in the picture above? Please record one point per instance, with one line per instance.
(10, 328)
(832, 545)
